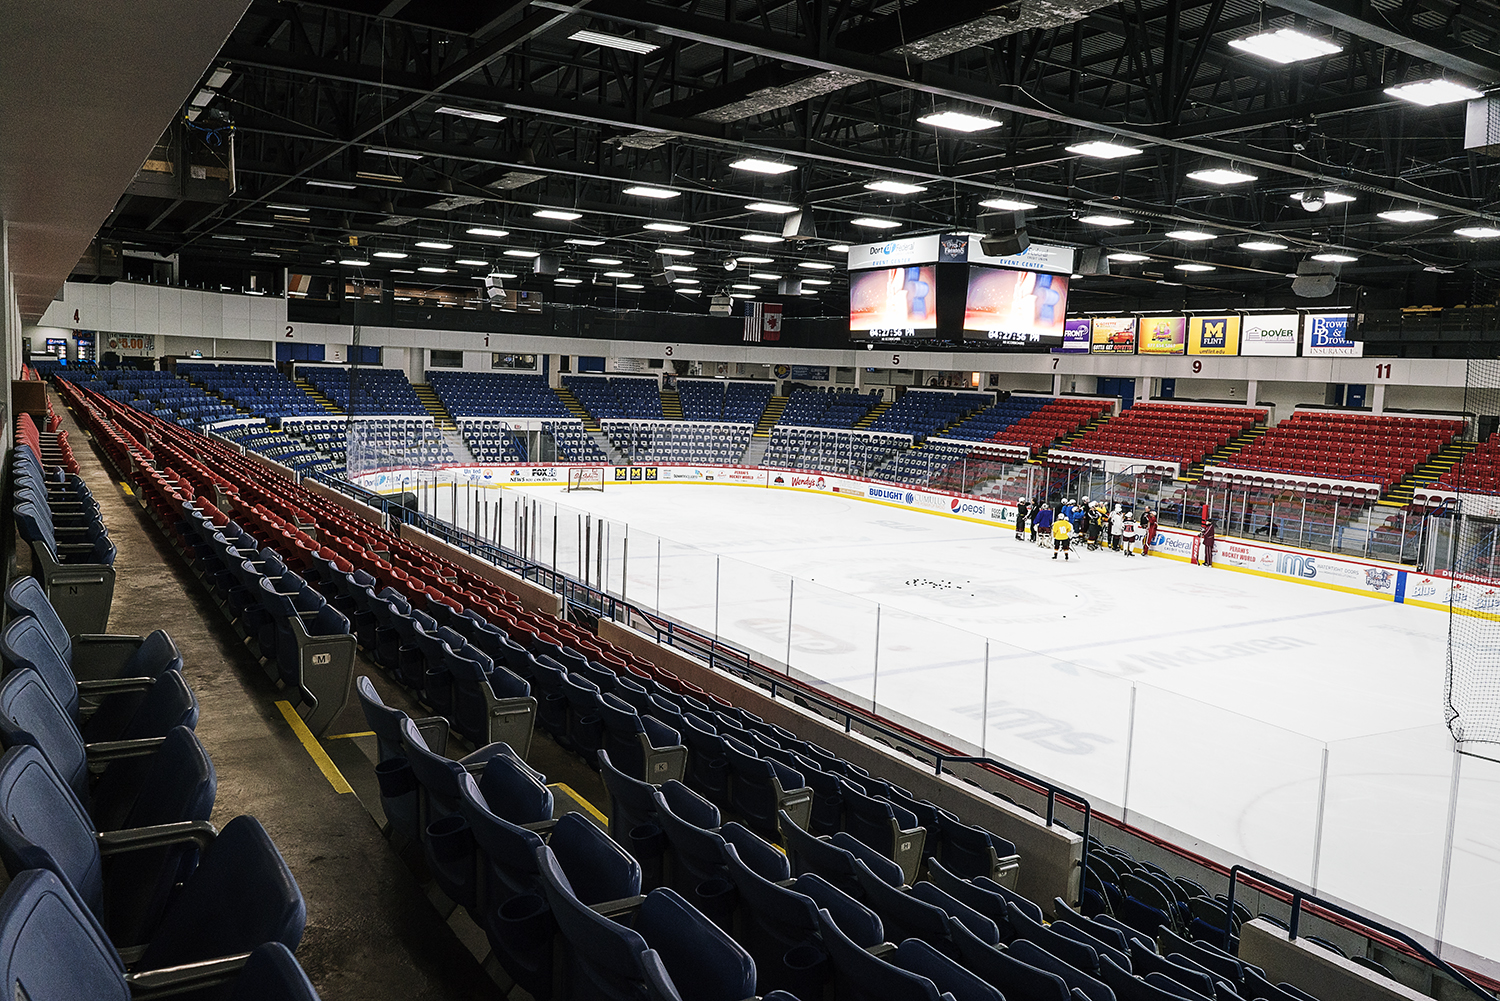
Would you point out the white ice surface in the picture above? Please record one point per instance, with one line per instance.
(1221, 690)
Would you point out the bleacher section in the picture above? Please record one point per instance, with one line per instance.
(1168, 432)
(259, 389)
(287, 449)
(495, 394)
(492, 441)
(849, 453)
(722, 400)
(162, 393)
(680, 441)
(921, 412)
(617, 397)
(742, 858)
(378, 391)
(836, 408)
(1334, 445)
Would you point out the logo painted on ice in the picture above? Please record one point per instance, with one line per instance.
(1378, 578)
(1297, 566)
(886, 493)
(966, 507)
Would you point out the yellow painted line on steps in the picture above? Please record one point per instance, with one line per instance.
(593, 811)
(347, 736)
(314, 749)
(126, 487)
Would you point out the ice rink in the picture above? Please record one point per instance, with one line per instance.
(1296, 727)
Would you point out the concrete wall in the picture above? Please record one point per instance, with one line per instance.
(1319, 972)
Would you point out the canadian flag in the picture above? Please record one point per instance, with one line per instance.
(771, 322)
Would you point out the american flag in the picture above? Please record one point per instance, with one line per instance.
(762, 322)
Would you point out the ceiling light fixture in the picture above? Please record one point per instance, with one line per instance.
(1333, 257)
(765, 276)
(1221, 176)
(392, 255)
(1430, 93)
(434, 245)
(582, 242)
(680, 267)
(609, 41)
(1006, 205)
(815, 281)
(1105, 220)
(370, 175)
(747, 288)
(895, 187)
(478, 116)
(758, 166)
(868, 222)
(561, 215)
(1193, 267)
(339, 185)
(568, 281)
(618, 274)
(287, 208)
(839, 248)
(756, 260)
(1329, 197)
(776, 208)
(1190, 235)
(398, 154)
(674, 251)
(1406, 215)
(1127, 257)
(432, 270)
(472, 262)
(1099, 149)
(760, 238)
(498, 234)
(1264, 245)
(633, 288)
(646, 191)
(251, 223)
(606, 261)
(958, 121)
(522, 253)
(666, 227)
(1285, 46)
(815, 265)
(1478, 232)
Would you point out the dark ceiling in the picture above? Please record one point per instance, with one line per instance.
(836, 89)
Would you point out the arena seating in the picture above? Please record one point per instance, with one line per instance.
(617, 396)
(573, 442)
(1478, 472)
(1347, 446)
(492, 441)
(921, 412)
(259, 389)
(285, 446)
(680, 441)
(723, 400)
(495, 394)
(834, 408)
(703, 905)
(852, 453)
(377, 390)
(162, 393)
(1168, 432)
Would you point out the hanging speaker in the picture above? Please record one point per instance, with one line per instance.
(1316, 279)
(546, 264)
(1092, 261)
(799, 226)
(1005, 243)
(789, 286)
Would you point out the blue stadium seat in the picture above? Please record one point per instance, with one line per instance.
(94, 657)
(860, 976)
(1003, 971)
(639, 745)
(272, 973)
(698, 851)
(917, 957)
(631, 801)
(761, 788)
(889, 829)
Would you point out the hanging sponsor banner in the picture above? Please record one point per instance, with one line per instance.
(1113, 335)
(953, 248)
(1161, 335)
(1076, 336)
(1327, 335)
(894, 254)
(1213, 335)
(1273, 335)
(1037, 257)
(131, 344)
(811, 373)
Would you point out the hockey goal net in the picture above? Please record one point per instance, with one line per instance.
(585, 478)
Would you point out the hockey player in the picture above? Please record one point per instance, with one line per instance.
(1091, 528)
(1062, 537)
(1208, 543)
(1036, 510)
(1127, 538)
(1022, 507)
(1116, 527)
(1149, 531)
(1041, 523)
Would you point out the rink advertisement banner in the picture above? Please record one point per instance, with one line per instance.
(1161, 335)
(1113, 335)
(1076, 334)
(1326, 335)
(1213, 335)
(1270, 336)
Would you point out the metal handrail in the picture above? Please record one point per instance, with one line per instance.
(1301, 896)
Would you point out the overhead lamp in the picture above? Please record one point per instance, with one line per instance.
(1127, 257)
(402, 271)
(521, 253)
(1221, 176)
(759, 166)
(283, 217)
(478, 116)
(1285, 46)
(1106, 220)
(815, 281)
(253, 224)
(398, 154)
(1314, 199)
(815, 265)
(618, 274)
(1430, 93)
(584, 242)
(286, 208)
(646, 191)
(775, 208)
(666, 227)
(370, 175)
(606, 261)
(497, 234)
(472, 262)
(1194, 267)
(219, 77)
(1006, 205)
(393, 255)
(1478, 232)
(1099, 149)
(760, 238)
(741, 295)
(1190, 235)
(202, 98)
(339, 185)
(568, 281)
(432, 269)
(229, 236)
(1334, 257)
(747, 288)
(1406, 215)
(870, 223)
(755, 260)
(686, 268)
(690, 291)
(561, 215)
(1263, 245)
(631, 287)
(434, 245)
(609, 41)
(764, 276)
(686, 281)
(674, 251)
(349, 257)
(263, 253)
(958, 121)
(895, 187)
